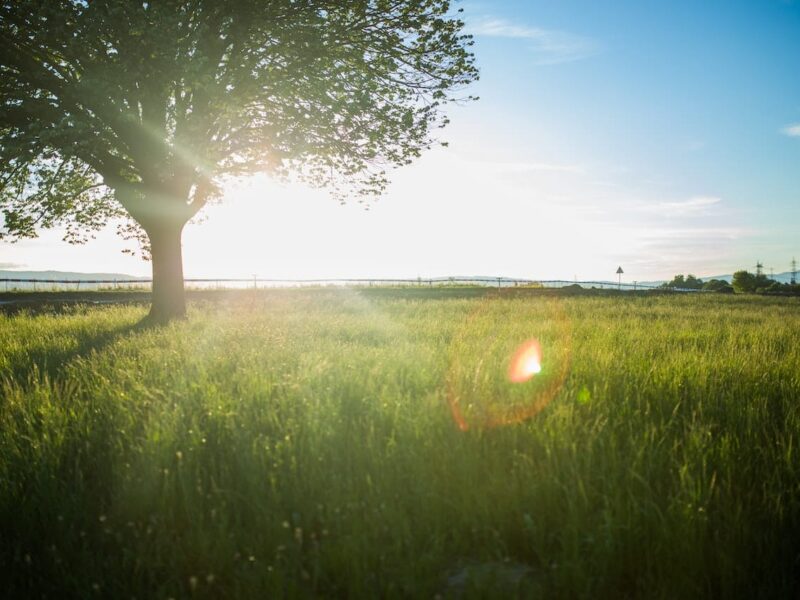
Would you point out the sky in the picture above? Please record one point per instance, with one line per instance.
(663, 137)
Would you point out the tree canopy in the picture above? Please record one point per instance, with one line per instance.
(112, 108)
(690, 282)
(746, 282)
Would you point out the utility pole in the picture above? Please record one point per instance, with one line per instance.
(619, 275)
(759, 268)
(794, 271)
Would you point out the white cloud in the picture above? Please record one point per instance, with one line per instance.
(700, 236)
(700, 250)
(792, 130)
(529, 167)
(698, 205)
(551, 47)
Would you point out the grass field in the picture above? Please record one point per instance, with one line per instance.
(303, 444)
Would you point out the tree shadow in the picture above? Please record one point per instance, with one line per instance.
(48, 362)
(61, 470)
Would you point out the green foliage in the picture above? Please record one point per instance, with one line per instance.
(776, 287)
(148, 106)
(299, 444)
(746, 282)
(718, 285)
(690, 282)
(743, 281)
(46, 191)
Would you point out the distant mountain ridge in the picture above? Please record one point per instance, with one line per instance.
(76, 276)
(67, 275)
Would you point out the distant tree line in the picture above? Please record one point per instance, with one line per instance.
(743, 282)
(690, 282)
(746, 282)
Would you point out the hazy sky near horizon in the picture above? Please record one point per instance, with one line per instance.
(660, 136)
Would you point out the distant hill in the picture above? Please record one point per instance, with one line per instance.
(75, 276)
(782, 277)
(66, 275)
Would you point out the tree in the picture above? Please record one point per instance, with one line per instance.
(116, 108)
(718, 285)
(693, 283)
(690, 282)
(677, 282)
(745, 282)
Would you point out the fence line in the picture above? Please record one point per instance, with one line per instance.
(499, 282)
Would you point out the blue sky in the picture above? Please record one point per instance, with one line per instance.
(662, 136)
(671, 102)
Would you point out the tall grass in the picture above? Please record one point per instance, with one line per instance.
(301, 444)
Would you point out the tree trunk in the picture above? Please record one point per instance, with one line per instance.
(169, 299)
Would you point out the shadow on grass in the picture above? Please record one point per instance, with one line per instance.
(52, 363)
(57, 476)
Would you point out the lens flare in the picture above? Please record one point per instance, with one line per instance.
(526, 362)
(497, 373)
